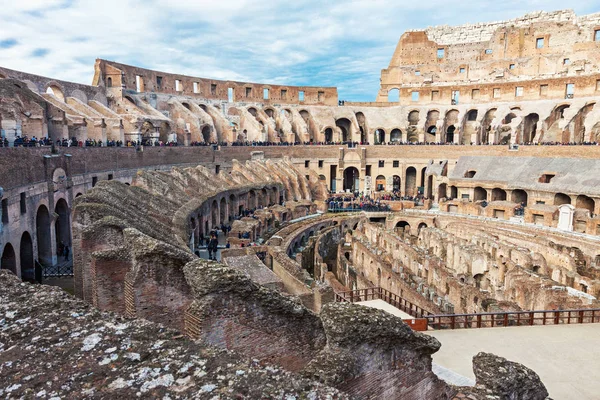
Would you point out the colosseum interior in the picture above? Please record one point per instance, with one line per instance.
(462, 204)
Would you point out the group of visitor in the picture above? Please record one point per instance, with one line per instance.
(73, 142)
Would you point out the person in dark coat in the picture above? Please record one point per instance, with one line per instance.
(212, 248)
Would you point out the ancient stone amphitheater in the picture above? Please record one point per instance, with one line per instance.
(466, 198)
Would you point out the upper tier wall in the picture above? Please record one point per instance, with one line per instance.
(112, 74)
(538, 46)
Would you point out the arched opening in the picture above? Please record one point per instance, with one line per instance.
(223, 211)
(508, 119)
(214, 212)
(561, 198)
(378, 276)
(472, 115)
(186, 105)
(351, 179)
(26, 256)
(453, 192)
(344, 125)
(413, 118)
(251, 199)
(43, 236)
(329, 135)
(442, 191)
(252, 111)
(396, 183)
(585, 202)
(62, 227)
(393, 95)
(362, 125)
(411, 181)
(396, 136)
(530, 127)
(109, 82)
(403, 226)
(263, 198)
(231, 207)
(479, 194)
(270, 112)
(498, 194)
(450, 134)
(56, 92)
(206, 134)
(380, 183)
(478, 279)
(486, 126)
(379, 136)
(9, 260)
(519, 196)
(422, 225)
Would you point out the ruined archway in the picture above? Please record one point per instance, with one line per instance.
(479, 194)
(530, 127)
(396, 183)
(411, 182)
(26, 256)
(362, 126)
(56, 92)
(561, 198)
(62, 226)
(345, 126)
(206, 134)
(498, 194)
(380, 183)
(351, 179)
(486, 126)
(393, 95)
(328, 135)
(379, 136)
(43, 235)
(413, 118)
(585, 202)
(214, 212)
(231, 206)
(396, 136)
(519, 196)
(9, 260)
(450, 134)
(223, 211)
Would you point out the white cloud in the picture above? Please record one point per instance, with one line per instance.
(341, 43)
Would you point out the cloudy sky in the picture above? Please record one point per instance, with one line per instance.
(303, 42)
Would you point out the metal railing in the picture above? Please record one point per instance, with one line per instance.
(474, 320)
(378, 293)
(514, 318)
(58, 270)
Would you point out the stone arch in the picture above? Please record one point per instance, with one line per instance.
(396, 135)
(422, 225)
(410, 181)
(351, 179)
(397, 183)
(223, 210)
(231, 206)
(79, 95)
(508, 118)
(413, 118)
(519, 196)
(345, 126)
(486, 125)
(585, 202)
(479, 194)
(498, 194)
(362, 126)
(379, 136)
(404, 225)
(472, 115)
(453, 192)
(450, 122)
(62, 226)
(9, 259)
(251, 199)
(55, 90)
(380, 183)
(214, 213)
(109, 82)
(561, 198)
(328, 135)
(270, 112)
(393, 95)
(26, 257)
(530, 127)
(43, 235)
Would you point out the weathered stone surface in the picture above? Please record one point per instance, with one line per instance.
(53, 345)
(498, 378)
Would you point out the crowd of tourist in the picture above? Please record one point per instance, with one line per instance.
(73, 142)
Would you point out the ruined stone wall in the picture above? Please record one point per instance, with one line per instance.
(128, 77)
(555, 48)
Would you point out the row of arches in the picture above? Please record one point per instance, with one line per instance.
(351, 181)
(29, 269)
